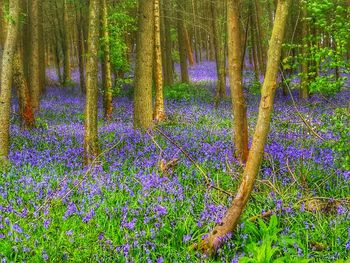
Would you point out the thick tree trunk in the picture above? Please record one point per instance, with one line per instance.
(34, 60)
(25, 105)
(107, 73)
(91, 148)
(6, 79)
(143, 112)
(216, 238)
(159, 112)
(240, 126)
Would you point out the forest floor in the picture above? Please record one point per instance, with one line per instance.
(128, 209)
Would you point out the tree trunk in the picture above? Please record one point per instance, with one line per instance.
(91, 148)
(34, 59)
(188, 46)
(182, 47)
(107, 75)
(240, 130)
(67, 78)
(169, 64)
(216, 238)
(304, 89)
(6, 79)
(80, 38)
(143, 111)
(219, 47)
(25, 105)
(159, 112)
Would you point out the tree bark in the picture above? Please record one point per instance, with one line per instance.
(143, 112)
(107, 73)
(34, 59)
(6, 79)
(216, 238)
(91, 148)
(25, 105)
(304, 89)
(219, 47)
(239, 108)
(182, 47)
(169, 64)
(159, 112)
(67, 78)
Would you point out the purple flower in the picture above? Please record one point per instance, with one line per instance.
(17, 228)
(186, 238)
(45, 256)
(347, 246)
(341, 210)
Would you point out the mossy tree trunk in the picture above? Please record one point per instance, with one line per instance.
(91, 148)
(159, 112)
(143, 109)
(6, 78)
(107, 73)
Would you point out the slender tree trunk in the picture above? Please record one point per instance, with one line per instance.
(304, 89)
(91, 148)
(107, 74)
(239, 108)
(34, 60)
(182, 47)
(6, 79)
(143, 111)
(66, 47)
(254, 48)
(25, 105)
(169, 64)
(215, 239)
(159, 111)
(219, 47)
(42, 69)
(188, 46)
(80, 38)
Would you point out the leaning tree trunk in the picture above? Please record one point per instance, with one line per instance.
(25, 105)
(159, 112)
(6, 79)
(216, 238)
(91, 148)
(107, 74)
(240, 130)
(143, 111)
